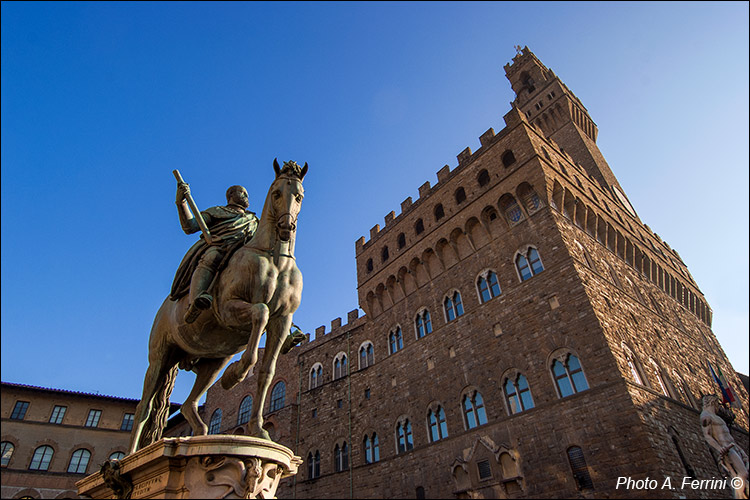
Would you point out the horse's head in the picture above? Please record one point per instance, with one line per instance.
(286, 197)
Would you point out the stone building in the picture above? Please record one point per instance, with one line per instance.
(52, 438)
(526, 335)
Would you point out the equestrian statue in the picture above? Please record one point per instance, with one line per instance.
(238, 281)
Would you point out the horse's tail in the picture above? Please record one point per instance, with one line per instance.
(157, 421)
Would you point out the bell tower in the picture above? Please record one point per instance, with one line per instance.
(560, 116)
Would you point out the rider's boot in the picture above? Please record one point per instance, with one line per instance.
(200, 300)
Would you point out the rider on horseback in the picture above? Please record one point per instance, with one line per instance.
(230, 226)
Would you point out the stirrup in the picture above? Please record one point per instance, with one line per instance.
(203, 301)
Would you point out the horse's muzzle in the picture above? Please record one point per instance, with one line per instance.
(285, 226)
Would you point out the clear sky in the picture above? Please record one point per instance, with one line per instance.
(100, 101)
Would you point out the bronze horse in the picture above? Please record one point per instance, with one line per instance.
(259, 290)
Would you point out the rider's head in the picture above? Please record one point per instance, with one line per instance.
(237, 195)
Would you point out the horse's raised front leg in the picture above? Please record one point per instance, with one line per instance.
(276, 334)
(239, 314)
(205, 373)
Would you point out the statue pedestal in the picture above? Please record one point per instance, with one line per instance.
(215, 466)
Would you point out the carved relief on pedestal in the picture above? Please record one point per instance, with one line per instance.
(231, 477)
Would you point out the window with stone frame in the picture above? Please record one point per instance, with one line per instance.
(529, 264)
(436, 424)
(316, 376)
(42, 458)
(473, 410)
(127, 422)
(58, 413)
(6, 453)
(453, 306)
(278, 396)
(313, 465)
(404, 436)
(483, 178)
(246, 407)
(395, 340)
(422, 323)
(214, 426)
(517, 394)
(487, 286)
(79, 461)
(341, 457)
(371, 448)
(93, 419)
(419, 226)
(117, 455)
(634, 365)
(568, 375)
(366, 355)
(340, 366)
(401, 241)
(19, 410)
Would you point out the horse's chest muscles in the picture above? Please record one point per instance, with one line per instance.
(286, 297)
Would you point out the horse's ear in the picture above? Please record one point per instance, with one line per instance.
(304, 171)
(276, 167)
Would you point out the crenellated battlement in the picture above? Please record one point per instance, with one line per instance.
(445, 174)
(353, 320)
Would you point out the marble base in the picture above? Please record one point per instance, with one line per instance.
(215, 466)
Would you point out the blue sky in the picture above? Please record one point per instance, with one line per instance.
(100, 101)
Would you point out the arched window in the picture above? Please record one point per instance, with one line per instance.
(483, 178)
(371, 447)
(246, 406)
(42, 457)
(662, 379)
(569, 377)
(453, 306)
(419, 226)
(341, 457)
(79, 461)
(316, 376)
(313, 465)
(384, 254)
(404, 439)
(487, 286)
(518, 394)
(529, 265)
(436, 424)
(401, 240)
(369, 265)
(633, 366)
(396, 340)
(423, 323)
(439, 212)
(6, 452)
(340, 366)
(278, 394)
(366, 355)
(118, 455)
(579, 468)
(460, 195)
(508, 158)
(473, 407)
(215, 424)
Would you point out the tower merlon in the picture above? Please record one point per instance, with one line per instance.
(389, 217)
(485, 138)
(359, 245)
(405, 204)
(424, 189)
(443, 173)
(463, 157)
